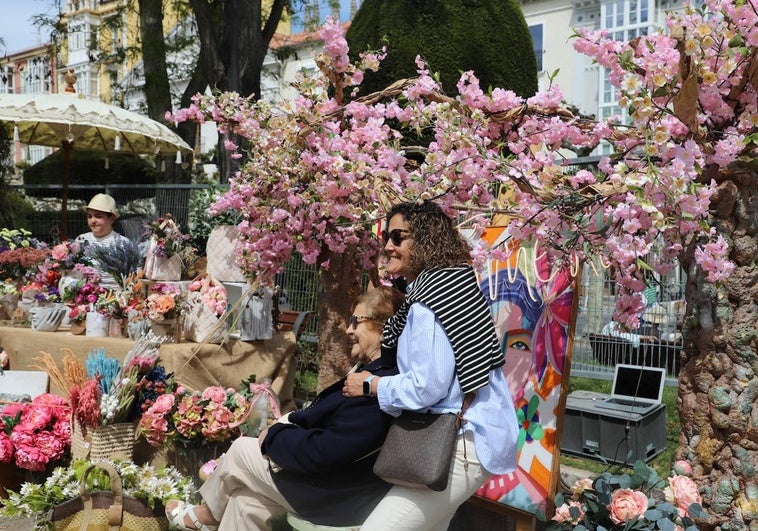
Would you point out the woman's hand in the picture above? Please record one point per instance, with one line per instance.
(354, 384)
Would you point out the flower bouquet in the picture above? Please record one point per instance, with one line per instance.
(18, 252)
(199, 426)
(154, 486)
(107, 403)
(163, 307)
(204, 310)
(169, 251)
(35, 434)
(641, 500)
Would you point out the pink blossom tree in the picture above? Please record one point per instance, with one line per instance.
(319, 171)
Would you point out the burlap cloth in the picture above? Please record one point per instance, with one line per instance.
(194, 365)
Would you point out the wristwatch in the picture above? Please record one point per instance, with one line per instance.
(367, 385)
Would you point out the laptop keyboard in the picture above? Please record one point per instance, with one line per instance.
(625, 402)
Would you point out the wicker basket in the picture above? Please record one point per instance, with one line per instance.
(104, 442)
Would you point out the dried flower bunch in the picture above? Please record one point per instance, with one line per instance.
(111, 393)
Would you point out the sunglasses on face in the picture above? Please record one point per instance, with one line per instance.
(395, 236)
(355, 320)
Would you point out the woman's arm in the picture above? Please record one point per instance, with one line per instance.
(426, 365)
(356, 428)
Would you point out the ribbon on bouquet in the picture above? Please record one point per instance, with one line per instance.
(258, 391)
(262, 388)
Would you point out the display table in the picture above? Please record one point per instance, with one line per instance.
(195, 365)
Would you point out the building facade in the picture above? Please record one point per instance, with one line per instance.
(29, 71)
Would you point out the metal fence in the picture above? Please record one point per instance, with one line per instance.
(594, 355)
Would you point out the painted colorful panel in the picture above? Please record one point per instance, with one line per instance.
(532, 306)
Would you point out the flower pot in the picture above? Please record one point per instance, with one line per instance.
(47, 318)
(78, 327)
(117, 327)
(168, 328)
(8, 304)
(97, 324)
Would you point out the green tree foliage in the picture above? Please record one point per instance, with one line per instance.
(488, 36)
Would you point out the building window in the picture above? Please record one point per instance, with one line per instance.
(37, 76)
(537, 42)
(624, 20)
(6, 80)
(77, 36)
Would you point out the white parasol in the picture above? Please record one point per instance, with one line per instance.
(69, 121)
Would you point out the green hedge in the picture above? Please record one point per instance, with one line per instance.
(488, 36)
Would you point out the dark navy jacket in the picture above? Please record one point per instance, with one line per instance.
(328, 453)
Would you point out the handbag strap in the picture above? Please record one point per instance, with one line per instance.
(116, 510)
(468, 398)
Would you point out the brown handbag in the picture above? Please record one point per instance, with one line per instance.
(419, 448)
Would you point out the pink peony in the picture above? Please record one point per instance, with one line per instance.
(50, 445)
(36, 418)
(11, 410)
(563, 513)
(627, 504)
(30, 458)
(6, 448)
(163, 404)
(682, 492)
(215, 394)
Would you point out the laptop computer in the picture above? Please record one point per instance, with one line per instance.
(636, 389)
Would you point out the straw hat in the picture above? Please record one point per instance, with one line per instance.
(103, 203)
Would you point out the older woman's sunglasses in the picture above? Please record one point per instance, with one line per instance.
(395, 236)
(355, 320)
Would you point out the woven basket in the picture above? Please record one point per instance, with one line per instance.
(104, 442)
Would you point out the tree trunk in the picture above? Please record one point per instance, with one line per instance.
(157, 89)
(718, 384)
(340, 285)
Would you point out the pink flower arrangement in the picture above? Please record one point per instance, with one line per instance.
(35, 434)
(81, 290)
(213, 293)
(191, 417)
(163, 302)
(636, 500)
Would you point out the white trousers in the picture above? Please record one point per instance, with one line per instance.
(417, 509)
(241, 493)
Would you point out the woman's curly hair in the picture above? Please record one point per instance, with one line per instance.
(436, 241)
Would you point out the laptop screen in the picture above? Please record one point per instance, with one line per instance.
(635, 381)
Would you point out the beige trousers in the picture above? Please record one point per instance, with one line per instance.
(418, 509)
(241, 493)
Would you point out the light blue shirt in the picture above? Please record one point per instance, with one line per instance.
(427, 381)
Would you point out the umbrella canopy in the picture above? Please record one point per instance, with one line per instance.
(69, 121)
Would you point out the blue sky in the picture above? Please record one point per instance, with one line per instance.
(16, 28)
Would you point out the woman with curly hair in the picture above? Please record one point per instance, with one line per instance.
(448, 356)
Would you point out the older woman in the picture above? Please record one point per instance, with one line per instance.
(446, 348)
(318, 461)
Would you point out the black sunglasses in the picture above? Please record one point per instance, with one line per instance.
(395, 235)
